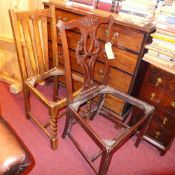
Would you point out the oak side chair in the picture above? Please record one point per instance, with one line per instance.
(82, 109)
(31, 35)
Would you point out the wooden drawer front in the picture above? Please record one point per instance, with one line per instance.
(158, 97)
(124, 37)
(159, 134)
(76, 84)
(165, 119)
(161, 79)
(66, 15)
(72, 39)
(74, 65)
(118, 80)
(123, 60)
(114, 104)
(127, 38)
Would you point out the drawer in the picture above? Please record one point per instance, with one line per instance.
(160, 78)
(123, 60)
(72, 38)
(111, 102)
(127, 38)
(74, 65)
(66, 15)
(114, 104)
(159, 134)
(165, 119)
(117, 79)
(158, 96)
(124, 37)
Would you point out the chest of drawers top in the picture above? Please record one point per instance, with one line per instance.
(72, 10)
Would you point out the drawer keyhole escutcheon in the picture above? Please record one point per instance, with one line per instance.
(157, 134)
(165, 120)
(173, 104)
(158, 81)
(152, 95)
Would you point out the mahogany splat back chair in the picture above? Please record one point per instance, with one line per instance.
(31, 35)
(87, 51)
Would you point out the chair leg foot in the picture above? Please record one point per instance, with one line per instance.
(67, 128)
(27, 116)
(65, 132)
(54, 143)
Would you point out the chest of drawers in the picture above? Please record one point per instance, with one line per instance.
(128, 46)
(158, 89)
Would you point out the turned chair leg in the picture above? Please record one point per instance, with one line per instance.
(53, 125)
(27, 102)
(55, 88)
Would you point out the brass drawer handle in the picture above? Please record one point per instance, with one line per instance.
(101, 73)
(153, 95)
(158, 81)
(157, 134)
(165, 120)
(63, 19)
(173, 104)
(116, 35)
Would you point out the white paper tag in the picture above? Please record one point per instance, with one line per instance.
(108, 50)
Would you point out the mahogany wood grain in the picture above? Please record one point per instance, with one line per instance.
(158, 89)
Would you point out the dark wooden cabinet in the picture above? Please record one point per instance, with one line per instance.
(158, 89)
(128, 46)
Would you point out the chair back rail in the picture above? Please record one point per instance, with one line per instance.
(31, 39)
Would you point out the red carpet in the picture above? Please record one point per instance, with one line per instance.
(129, 160)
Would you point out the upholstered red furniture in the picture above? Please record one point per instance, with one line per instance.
(15, 158)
